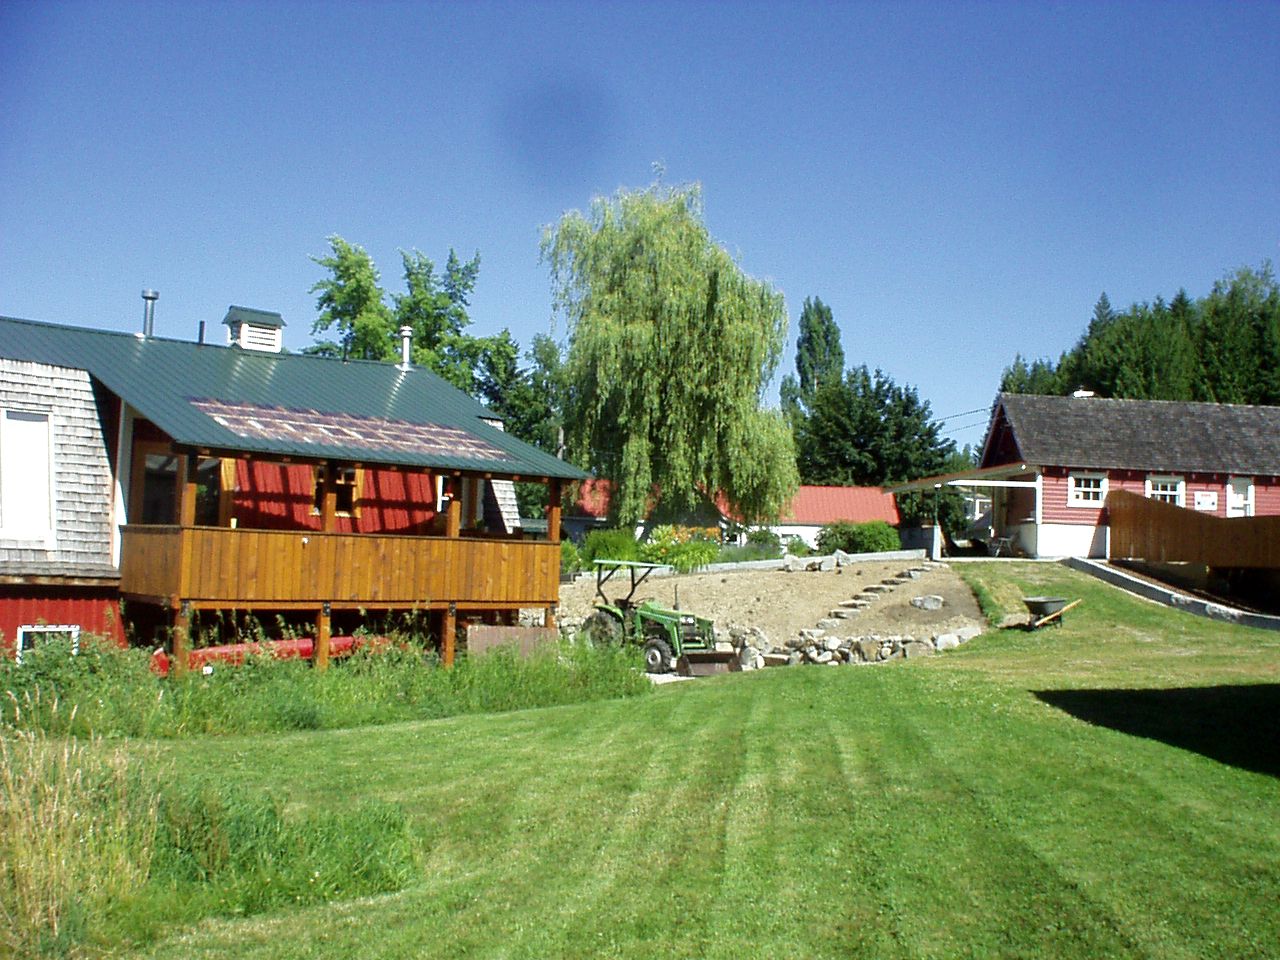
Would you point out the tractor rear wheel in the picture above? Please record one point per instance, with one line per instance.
(657, 656)
(603, 629)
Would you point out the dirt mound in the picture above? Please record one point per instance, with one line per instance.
(782, 603)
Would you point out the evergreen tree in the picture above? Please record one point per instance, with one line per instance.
(865, 430)
(819, 359)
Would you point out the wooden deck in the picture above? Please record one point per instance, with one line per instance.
(219, 567)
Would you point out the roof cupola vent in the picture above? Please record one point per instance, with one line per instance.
(252, 329)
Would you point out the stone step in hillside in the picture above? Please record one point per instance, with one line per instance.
(876, 588)
(855, 604)
(843, 613)
(894, 581)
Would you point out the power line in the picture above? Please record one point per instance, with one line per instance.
(956, 416)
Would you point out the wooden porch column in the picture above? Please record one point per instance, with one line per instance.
(453, 524)
(186, 491)
(553, 512)
(324, 625)
(549, 619)
(450, 634)
(181, 637)
(329, 501)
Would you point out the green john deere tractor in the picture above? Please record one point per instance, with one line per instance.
(672, 639)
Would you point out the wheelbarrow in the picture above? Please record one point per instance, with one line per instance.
(1047, 610)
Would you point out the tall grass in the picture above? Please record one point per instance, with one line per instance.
(97, 846)
(113, 692)
(77, 834)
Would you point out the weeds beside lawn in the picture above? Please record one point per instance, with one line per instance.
(107, 691)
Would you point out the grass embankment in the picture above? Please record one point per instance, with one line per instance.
(1049, 794)
(958, 806)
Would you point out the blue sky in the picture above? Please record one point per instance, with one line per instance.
(958, 181)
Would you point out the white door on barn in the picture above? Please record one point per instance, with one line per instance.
(1240, 497)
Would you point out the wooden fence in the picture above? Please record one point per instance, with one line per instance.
(1143, 529)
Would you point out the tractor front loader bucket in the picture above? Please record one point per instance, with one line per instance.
(705, 663)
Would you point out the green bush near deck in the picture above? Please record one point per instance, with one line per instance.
(609, 545)
(873, 537)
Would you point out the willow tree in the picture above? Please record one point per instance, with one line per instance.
(670, 348)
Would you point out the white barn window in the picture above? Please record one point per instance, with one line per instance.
(26, 477)
(1086, 489)
(1167, 490)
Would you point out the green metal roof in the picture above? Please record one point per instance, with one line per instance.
(229, 399)
(261, 318)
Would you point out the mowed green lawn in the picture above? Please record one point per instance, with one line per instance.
(1109, 788)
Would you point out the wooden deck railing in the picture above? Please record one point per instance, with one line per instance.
(1143, 529)
(243, 568)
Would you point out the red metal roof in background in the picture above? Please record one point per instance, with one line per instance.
(811, 504)
(819, 505)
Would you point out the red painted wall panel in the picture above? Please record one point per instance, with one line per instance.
(1266, 497)
(95, 609)
(1055, 509)
(280, 496)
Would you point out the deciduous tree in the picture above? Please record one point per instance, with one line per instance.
(670, 347)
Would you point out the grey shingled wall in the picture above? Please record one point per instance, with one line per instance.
(82, 474)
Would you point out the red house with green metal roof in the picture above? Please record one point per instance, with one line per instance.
(186, 479)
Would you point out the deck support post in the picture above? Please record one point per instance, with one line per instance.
(549, 620)
(181, 636)
(553, 511)
(450, 631)
(324, 625)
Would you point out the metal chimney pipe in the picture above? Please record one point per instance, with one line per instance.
(149, 298)
(406, 337)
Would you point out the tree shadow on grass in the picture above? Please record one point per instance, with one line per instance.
(1238, 725)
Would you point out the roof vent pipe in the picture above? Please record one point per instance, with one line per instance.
(149, 298)
(406, 338)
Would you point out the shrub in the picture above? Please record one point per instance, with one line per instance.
(796, 547)
(684, 548)
(741, 554)
(874, 537)
(570, 560)
(609, 545)
(766, 539)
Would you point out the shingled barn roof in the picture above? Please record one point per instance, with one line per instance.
(1150, 435)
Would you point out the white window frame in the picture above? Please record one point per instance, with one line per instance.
(1075, 496)
(1249, 498)
(28, 632)
(43, 533)
(1179, 492)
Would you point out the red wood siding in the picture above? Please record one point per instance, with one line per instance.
(1056, 487)
(280, 496)
(95, 609)
(1266, 497)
